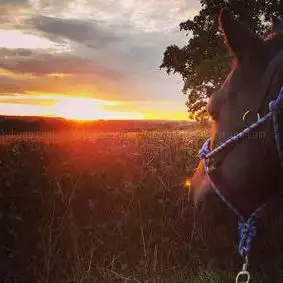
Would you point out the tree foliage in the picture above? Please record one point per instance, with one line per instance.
(204, 62)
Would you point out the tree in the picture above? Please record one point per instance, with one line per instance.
(204, 62)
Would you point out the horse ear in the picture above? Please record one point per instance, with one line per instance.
(277, 25)
(239, 38)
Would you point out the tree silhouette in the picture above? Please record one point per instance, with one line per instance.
(204, 62)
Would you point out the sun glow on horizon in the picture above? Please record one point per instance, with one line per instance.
(83, 108)
(87, 109)
(60, 106)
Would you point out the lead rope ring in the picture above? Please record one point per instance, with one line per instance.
(244, 276)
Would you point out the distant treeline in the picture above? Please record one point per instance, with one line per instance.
(10, 125)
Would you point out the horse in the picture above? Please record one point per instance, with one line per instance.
(248, 172)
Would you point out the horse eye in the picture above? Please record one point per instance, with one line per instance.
(212, 113)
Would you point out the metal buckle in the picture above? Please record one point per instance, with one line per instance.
(244, 276)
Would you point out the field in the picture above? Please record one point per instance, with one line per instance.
(115, 207)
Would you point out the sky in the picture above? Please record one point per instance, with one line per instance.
(91, 59)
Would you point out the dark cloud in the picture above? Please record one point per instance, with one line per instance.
(124, 47)
(14, 2)
(85, 32)
(69, 85)
(23, 84)
(18, 52)
(22, 61)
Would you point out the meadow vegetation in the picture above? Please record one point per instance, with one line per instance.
(116, 207)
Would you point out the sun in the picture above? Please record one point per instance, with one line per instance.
(88, 109)
(82, 109)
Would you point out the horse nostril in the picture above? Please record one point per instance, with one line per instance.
(200, 191)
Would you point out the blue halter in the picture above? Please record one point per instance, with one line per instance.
(247, 228)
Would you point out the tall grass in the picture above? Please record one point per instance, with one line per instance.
(114, 208)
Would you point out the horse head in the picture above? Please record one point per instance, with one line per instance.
(249, 172)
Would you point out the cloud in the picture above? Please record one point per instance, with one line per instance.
(11, 84)
(14, 2)
(12, 12)
(147, 15)
(85, 32)
(38, 63)
(25, 71)
(115, 47)
(128, 35)
(18, 52)
(119, 45)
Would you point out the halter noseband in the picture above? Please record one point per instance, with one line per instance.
(247, 229)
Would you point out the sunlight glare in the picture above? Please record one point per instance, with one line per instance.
(188, 184)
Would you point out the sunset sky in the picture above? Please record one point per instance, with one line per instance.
(91, 59)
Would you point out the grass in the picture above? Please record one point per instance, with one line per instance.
(113, 208)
